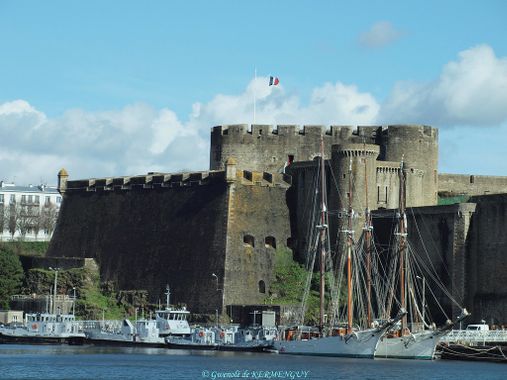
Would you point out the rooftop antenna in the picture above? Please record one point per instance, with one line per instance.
(168, 295)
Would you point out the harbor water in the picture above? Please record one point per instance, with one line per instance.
(90, 362)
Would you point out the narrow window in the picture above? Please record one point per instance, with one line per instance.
(262, 287)
(249, 240)
(290, 159)
(472, 179)
(270, 242)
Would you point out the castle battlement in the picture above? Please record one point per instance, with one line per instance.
(357, 150)
(148, 181)
(176, 180)
(341, 131)
(256, 178)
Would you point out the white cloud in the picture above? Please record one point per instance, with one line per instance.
(139, 138)
(469, 91)
(380, 34)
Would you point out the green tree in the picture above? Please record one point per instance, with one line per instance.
(11, 276)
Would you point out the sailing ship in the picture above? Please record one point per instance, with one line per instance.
(348, 340)
(419, 340)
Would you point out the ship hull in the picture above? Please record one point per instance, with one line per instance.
(420, 346)
(359, 345)
(218, 347)
(39, 339)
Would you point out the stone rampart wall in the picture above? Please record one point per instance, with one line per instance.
(464, 184)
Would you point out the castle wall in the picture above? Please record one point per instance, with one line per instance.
(258, 225)
(487, 269)
(149, 231)
(264, 148)
(458, 184)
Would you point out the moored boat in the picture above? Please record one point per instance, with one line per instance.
(44, 328)
(232, 338)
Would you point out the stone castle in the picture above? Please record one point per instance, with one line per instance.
(212, 235)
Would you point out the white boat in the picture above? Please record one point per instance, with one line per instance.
(359, 344)
(172, 321)
(419, 339)
(44, 328)
(144, 332)
(232, 338)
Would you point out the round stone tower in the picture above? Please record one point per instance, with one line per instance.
(418, 146)
(354, 164)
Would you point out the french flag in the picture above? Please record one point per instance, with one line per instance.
(273, 81)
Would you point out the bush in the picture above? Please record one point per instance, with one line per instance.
(11, 276)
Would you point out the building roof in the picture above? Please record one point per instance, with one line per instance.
(40, 189)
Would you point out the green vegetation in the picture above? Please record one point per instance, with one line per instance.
(289, 285)
(26, 248)
(452, 199)
(11, 276)
(92, 301)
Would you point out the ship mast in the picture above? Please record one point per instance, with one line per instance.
(367, 241)
(349, 254)
(323, 227)
(402, 232)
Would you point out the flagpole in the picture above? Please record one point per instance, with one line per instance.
(254, 95)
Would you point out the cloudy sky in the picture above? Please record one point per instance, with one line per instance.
(126, 87)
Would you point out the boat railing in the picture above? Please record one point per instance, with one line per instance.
(110, 326)
(474, 336)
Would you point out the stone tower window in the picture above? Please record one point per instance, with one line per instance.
(472, 179)
(262, 287)
(270, 242)
(249, 240)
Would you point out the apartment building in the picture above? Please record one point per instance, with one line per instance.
(28, 212)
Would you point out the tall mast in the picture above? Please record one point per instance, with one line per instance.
(402, 230)
(349, 254)
(367, 240)
(323, 226)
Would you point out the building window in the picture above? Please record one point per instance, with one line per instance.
(58, 200)
(249, 240)
(472, 179)
(23, 199)
(37, 199)
(13, 199)
(262, 287)
(30, 199)
(270, 242)
(47, 201)
(1, 198)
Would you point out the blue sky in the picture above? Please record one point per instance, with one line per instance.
(126, 87)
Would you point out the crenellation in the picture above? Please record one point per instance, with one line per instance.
(261, 129)
(313, 130)
(286, 130)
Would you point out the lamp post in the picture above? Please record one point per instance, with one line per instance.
(54, 288)
(73, 300)
(218, 290)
